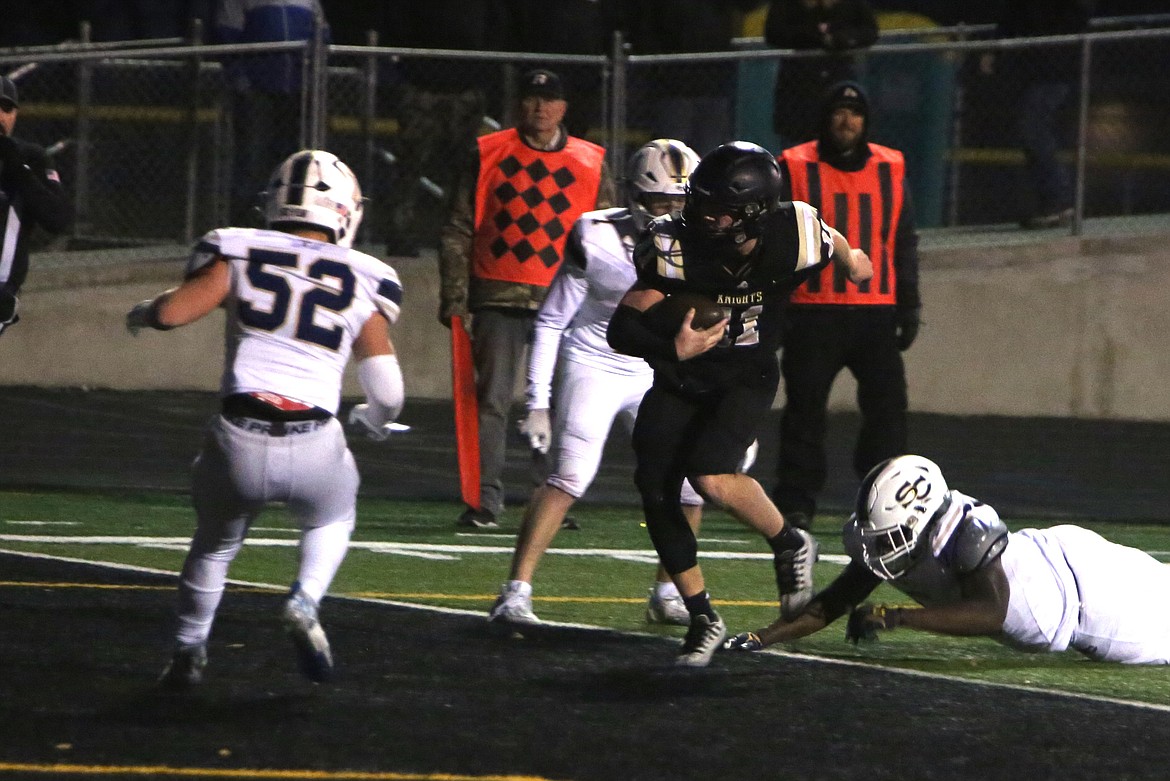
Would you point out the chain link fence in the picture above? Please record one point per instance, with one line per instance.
(158, 142)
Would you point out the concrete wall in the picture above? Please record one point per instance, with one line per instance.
(1066, 328)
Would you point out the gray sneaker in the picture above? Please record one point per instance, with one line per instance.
(794, 576)
(702, 641)
(513, 607)
(667, 610)
(299, 617)
(185, 669)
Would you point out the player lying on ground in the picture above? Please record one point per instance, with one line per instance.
(1035, 590)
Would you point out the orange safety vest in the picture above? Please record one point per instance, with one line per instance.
(526, 200)
(865, 207)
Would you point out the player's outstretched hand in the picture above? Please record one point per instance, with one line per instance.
(866, 620)
(359, 419)
(744, 641)
(139, 316)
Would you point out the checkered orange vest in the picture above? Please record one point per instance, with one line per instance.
(526, 201)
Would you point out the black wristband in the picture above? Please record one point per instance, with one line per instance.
(152, 316)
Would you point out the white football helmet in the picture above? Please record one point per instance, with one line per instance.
(660, 167)
(314, 188)
(896, 503)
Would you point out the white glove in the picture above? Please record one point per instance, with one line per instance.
(538, 429)
(139, 316)
(359, 417)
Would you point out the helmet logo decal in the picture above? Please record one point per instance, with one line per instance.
(909, 493)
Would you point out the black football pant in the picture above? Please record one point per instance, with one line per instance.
(818, 344)
(678, 436)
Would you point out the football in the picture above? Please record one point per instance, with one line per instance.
(666, 317)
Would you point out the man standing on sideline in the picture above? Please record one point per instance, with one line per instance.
(503, 242)
(595, 385)
(834, 323)
(30, 194)
(299, 301)
(740, 245)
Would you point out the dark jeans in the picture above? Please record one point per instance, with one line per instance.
(820, 343)
(267, 129)
(1040, 133)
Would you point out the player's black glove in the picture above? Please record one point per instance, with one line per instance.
(865, 621)
(744, 641)
(907, 320)
(9, 152)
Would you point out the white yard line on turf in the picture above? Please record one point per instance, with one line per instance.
(438, 551)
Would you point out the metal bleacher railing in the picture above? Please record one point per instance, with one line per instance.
(143, 131)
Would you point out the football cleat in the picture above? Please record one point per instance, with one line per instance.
(794, 575)
(185, 669)
(667, 610)
(513, 606)
(299, 616)
(702, 641)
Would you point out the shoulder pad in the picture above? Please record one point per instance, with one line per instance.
(659, 254)
(206, 250)
(979, 538)
(815, 240)
(389, 297)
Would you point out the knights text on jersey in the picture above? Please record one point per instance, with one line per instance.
(753, 288)
(294, 309)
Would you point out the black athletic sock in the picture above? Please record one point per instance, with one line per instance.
(700, 604)
(786, 539)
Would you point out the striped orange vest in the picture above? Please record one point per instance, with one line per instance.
(525, 203)
(865, 207)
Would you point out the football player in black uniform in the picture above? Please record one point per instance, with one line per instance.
(737, 243)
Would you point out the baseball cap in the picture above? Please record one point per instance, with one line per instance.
(542, 83)
(847, 94)
(8, 93)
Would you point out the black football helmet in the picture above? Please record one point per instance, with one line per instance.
(732, 188)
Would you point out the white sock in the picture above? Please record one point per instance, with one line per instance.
(665, 590)
(519, 587)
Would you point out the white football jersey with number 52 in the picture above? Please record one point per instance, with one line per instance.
(294, 309)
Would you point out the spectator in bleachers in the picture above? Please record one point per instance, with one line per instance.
(1048, 77)
(691, 102)
(266, 90)
(440, 105)
(835, 27)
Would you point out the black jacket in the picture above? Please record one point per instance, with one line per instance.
(30, 193)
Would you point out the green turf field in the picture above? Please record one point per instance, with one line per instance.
(412, 552)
